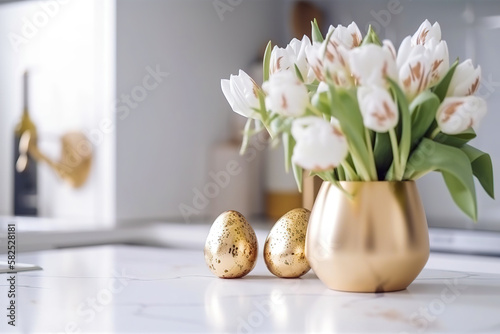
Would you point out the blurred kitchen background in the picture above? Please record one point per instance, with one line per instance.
(141, 79)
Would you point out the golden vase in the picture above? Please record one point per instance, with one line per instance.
(374, 241)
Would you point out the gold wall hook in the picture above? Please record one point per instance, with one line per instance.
(75, 160)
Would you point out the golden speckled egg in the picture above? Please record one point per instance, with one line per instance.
(284, 250)
(231, 248)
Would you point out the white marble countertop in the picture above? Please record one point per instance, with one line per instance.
(137, 289)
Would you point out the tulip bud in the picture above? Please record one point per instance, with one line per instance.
(241, 92)
(286, 95)
(314, 57)
(372, 64)
(320, 145)
(465, 80)
(349, 37)
(457, 114)
(426, 32)
(294, 54)
(379, 111)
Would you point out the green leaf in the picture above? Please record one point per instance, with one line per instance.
(383, 154)
(316, 32)
(341, 173)
(442, 87)
(298, 74)
(345, 108)
(312, 88)
(371, 37)
(298, 174)
(423, 112)
(288, 144)
(455, 167)
(457, 140)
(405, 120)
(481, 167)
(464, 197)
(266, 62)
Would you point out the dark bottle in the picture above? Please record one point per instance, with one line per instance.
(25, 168)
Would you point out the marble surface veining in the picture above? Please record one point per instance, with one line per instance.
(133, 289)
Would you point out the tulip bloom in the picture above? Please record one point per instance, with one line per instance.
(379, 111)
(457, 114)
(320, 145)
(422, 59)
(330, 58)
(286, 94)
(285, 59)
(314, 57)
(372, 64)
(349, 37)
(465, 80)
(421, 66)
(241, 92)
(426, 32)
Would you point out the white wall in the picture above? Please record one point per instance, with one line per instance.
(162, 146)
(67, 47)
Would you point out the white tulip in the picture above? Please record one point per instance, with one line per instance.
(279, 60)
(465, 80)
(241, 92)
(330, 58)
(286, 94)
(421, 67)
(293, 54)
(379, 111)
(349, 37)
(335, 62)
(457, 114)
(314, 57)
(426, 32)
(371, 64)
(422, 59)
(439, 60)
(320, 145)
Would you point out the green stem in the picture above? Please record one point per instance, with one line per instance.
(341, 173)
(349, 171)
(371, 157)
(395, 154)
(246, 135)
(435, 132)
(315, 110)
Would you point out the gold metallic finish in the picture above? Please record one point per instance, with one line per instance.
(373, 242)
(75, 161)
(284, 250)
(231, 248)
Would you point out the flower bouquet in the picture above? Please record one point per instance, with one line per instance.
(353, 108)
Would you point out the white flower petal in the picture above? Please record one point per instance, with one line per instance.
(372, 64)
(320, 145)
(349, 37)
(241, 93)
(465, 80)
(379, 111)
(285, 59)
(425, 32)
(286, 95)
(457, 114)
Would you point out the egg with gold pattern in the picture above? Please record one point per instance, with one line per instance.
(284, 249)
(231, 248)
